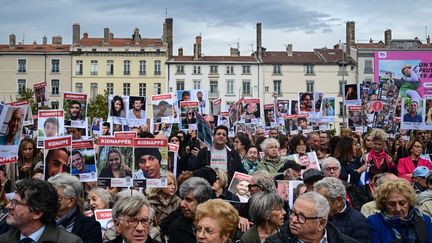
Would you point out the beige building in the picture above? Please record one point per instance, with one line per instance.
(22, 66)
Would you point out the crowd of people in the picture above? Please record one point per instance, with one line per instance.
(367, 187)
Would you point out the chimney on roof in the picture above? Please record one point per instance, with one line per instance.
(234, 52)
(387, 37)
(350, 36)
(44, 40)
(75, 33)
(111, 36)
(428, 40)
(56, 40)
(106, 35)
(12, 40)
(197, 47)
(370, 40)
(289, 49)
(168, 36)
(85, 35)
(180, 52)
(259, 41)
(34, 42)
(136, 36)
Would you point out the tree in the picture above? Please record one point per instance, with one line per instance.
(98, 107)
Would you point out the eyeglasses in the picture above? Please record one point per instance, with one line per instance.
(205, 230)
(14, 202)
(278, 209)
(133, 222)
(301, 218)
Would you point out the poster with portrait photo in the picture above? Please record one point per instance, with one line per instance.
(351, 94)
(163, 110)
(294, 107)
(239, 186)
(412, 114)
(201, 95)
(251, 111)
(183, 95)
(96, 126)
(327, 112)
(84, 160)
(282, 108)
(318, 97)
(269, 116)
(188, 113)
(77, 133)
(355, 120)
(235, 111)
(57, 155)
(104, 217)
(50, 124)
(306, 102)
(11, 120)
(117, 105)
(204, 131)
(26, 111)
(115, 161)
(41, 96)
(173, 157)
(290, 123)
(428, 112)
(217, 106)
(303, 123)
(151, 162)
(75, 107)
(137, 108)
(223, 119)
(310, 160)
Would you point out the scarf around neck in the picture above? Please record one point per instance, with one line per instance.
(377, 157)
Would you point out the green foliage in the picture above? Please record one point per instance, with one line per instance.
(98, 107)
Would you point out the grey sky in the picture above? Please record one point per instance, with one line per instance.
(306, 24)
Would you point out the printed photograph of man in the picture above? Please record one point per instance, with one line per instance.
(56, 162)
(137, 108)
(106, 129)
(413, 111)
(149, 162)
(75, 110)
(14, 127)
(79, 165)
(185, 96)
(41, 98)
(163, 109)
(51, 127)
(306, 102)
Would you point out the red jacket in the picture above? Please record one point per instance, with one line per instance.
(406, 166)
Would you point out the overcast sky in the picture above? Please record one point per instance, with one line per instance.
(306, 24)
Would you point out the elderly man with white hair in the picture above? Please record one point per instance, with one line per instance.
(272, 161)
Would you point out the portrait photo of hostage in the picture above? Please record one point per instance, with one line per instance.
(240, 188)
(190, 118)
(83, 161)
(11, 125)
(201, 97)
(117, 106)
(183, 95)
(310, 160)
(328, 107)
(428, 118)
(306, 102)
(251, 110)
(75, 108)
(269, 116)
(351, 92)
(413, 110)
(40, 94)
(411, 81)
(294, 107)
(148, 160)
(56, 161)
(162, 109)
(137, 108)
(115, 162)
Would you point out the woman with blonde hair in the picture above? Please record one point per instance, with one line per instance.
(116, 168)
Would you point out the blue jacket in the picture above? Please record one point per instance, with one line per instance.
(352, 223)
(381, 233)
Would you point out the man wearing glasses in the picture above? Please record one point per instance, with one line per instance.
(32, 214)
(308, 222)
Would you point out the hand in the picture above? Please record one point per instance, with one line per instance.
(244, 224)
(194, 152)
(187, 149)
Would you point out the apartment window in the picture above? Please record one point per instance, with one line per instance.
(21, 85)
(230, 87)
(368, 69)
(246, 87)
(110, 88)
(142, 89)
(197, 84)
(126, 67)
(229, 104)
(277, 69)
(342, 71)
(142, 67)
(93, 90)
(79, 87)
(246, 69)
(94, 67)
(277, 87)
(309, 69)
(180, 69)
(266, 89)
(180, 85)
(79, 67)
(22, 65)
(157, 88)
(341, 108)
(157, 67)
(213, 69)
(110, 67)
(230, 70)
(197, 69)
(341, 86)
(55, 66)
(126, 89)
(55, 86)
(55, 105)
(309, 85)
(213, 86)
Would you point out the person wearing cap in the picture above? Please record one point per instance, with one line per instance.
(407, 165)
(310, 176)
(419, 178)
(424, 199)
(412, 115)
(149, 161)
(291, 171)
(163, 110)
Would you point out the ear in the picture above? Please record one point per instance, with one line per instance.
(322, 224)
(117, 226)
(225, 237)
(37, 215)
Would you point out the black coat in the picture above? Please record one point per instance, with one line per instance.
(352, 223)
(119, 239)
(181, 230)
(87, 228)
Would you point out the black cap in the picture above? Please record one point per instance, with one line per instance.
(147, 151)
(291, 164)
(207, 173)
(163, 102)
(312, 176)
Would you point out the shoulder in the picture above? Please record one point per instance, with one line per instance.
(12, 235)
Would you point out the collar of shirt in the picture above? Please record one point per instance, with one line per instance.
(35, 236)
(323, 239)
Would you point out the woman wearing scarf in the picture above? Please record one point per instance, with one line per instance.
(271, 161)
(251, 160)
(398, 220)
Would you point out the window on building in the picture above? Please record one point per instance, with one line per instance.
(341, 86)
(21, 85)
(110, 88)
(79, 67)
(79, 87)
(126, 89)
(94, 67)
(142, 89)
(22, 65)
(342, 70)
(246, 70)
(93, 90)
(126, 67)
(55, 65)
(180, 69)
(55, 105)
(142, 67)
(368, 69)
(230, 87)
(309, 85)
(266, 89)
(197, 84)
(230, 70)
(341, 108)
(197, 70)
(214, 87)
(55, 86)
(157, 88)
(277, 87)
(110, 67)
(246, 87)
(213, 69)
(180, 85)
(229, 104)
(309, 69)
(277, 69)
(157, 67)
